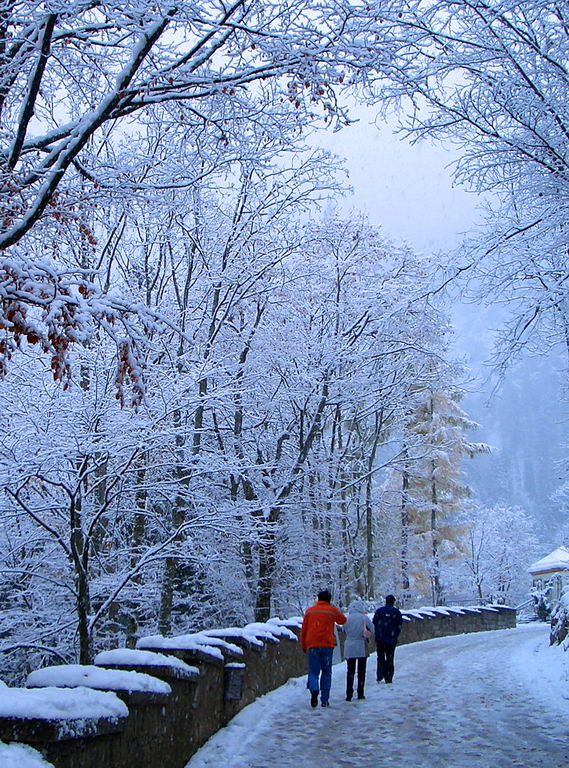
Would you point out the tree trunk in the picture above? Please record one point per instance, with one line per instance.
(267, 562)
(435, 573)
(167, 596)
(178, 514)
(405, 582)
(80, 556)
(267, 559)
(370, 575)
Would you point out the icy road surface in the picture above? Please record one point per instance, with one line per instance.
(484, 700)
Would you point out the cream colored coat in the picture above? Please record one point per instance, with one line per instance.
(355, 644)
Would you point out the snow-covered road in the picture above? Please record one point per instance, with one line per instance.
(494, 699)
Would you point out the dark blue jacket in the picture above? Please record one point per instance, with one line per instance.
(387, 621)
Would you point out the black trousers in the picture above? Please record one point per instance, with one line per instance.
(351, 674)
(385, 665)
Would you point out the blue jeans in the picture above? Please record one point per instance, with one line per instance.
(320, 666)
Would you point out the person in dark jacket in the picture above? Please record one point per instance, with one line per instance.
(387, 621)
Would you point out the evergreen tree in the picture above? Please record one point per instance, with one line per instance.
(433, 490)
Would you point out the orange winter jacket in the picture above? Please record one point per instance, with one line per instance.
(318, 625)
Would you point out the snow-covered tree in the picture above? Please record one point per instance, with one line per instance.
(433, 491)
(84, 82)
(153, 495)
(373, 338)
(501, 541)
(492, 78)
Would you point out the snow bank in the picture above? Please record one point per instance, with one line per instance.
(72, 675)
(60, 704)
(543, 668)
(21, 756)
(131, 657)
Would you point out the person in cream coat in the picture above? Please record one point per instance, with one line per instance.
(357, 631)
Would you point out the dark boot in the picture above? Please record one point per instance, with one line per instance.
(361, 677)
(350, 680)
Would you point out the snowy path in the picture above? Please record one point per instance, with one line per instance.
(473, 701)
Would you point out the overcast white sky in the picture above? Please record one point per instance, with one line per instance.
(407, 189)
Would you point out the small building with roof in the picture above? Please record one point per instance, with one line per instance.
(552, 571)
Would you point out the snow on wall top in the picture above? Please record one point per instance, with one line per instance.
(254, 633)
(293, 621)
(447, 610)
(419, 613)
(195, 642)
(211, 641)
(131, 657)
(60, 704)
(268, 630)
(21, 756)
(558, 560)
(72, 675)
(204, 638)
(237, 632)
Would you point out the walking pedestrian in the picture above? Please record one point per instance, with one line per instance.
(387, 621)
(317, 640)
(357, 631)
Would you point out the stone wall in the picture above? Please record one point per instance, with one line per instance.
(441, 622)
(164, 731)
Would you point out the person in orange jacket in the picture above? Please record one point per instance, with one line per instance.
(317, 640)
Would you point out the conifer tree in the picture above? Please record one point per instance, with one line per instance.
(433, 491)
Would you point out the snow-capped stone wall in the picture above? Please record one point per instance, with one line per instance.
(427, 623)
(153, 707)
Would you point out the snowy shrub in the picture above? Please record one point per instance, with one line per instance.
(560, 621)
(542, 602)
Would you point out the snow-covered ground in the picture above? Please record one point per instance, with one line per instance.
(484, 700)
